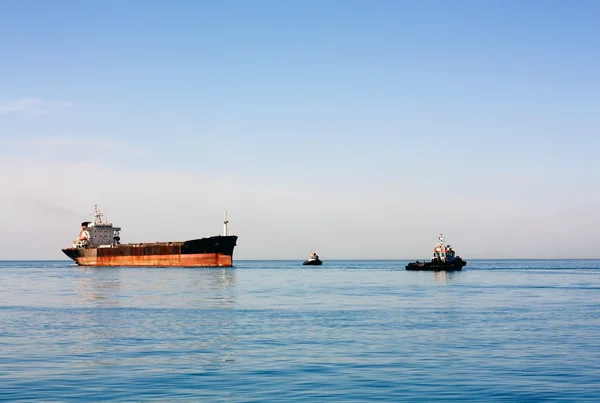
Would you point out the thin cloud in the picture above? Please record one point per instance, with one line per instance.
(74, 148)
(31, 107)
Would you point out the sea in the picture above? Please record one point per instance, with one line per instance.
(277, 331)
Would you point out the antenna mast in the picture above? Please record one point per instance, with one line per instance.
(97, 215)
(225, 225)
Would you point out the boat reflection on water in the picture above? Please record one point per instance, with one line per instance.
(99, 286)
(156, 316)
(157, 287)
(444, 277)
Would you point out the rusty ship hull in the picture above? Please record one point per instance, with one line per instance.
(215, 251)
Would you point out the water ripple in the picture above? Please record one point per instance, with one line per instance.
(275, 331)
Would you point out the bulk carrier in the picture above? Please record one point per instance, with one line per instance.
(99, 244)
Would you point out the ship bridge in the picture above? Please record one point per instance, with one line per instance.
(97, 233)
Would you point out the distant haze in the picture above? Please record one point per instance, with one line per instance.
(361, 130)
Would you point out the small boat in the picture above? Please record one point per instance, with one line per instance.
(313, 260)
(444, 258)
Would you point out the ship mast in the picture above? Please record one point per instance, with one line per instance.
(97, 215)
(225, 225)
(442, 246)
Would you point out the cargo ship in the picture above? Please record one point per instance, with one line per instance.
(443, 258)
(99, 244)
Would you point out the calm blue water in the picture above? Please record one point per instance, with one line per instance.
(348, 331)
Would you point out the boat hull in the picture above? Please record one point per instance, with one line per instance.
(214, 251)
(457, 264)
(313, 262)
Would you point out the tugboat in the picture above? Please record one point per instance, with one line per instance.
(444, 258)
(313, 260)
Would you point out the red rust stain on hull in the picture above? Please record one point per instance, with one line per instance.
(191, 260)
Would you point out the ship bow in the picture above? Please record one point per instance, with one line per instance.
(70, 252)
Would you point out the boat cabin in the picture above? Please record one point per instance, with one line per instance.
(443, 252)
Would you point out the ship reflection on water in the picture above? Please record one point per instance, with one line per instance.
(155, 317)
(444, 277)
(157, 287)
(99, 287)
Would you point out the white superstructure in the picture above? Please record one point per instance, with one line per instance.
(97, 233)
(442, 252)
(313, 256)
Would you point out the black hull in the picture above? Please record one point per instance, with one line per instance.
(312, 263)
(458, 264)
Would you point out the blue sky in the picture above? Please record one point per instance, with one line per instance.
(359, 128)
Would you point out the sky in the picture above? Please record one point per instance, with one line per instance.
(359, 129)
